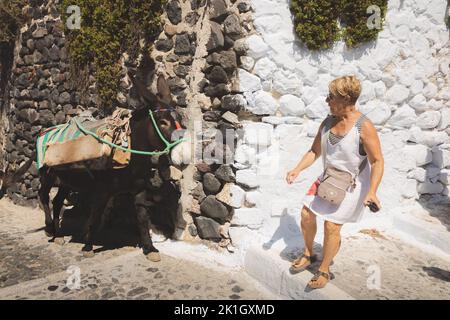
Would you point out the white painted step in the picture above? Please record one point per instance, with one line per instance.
(271, 270)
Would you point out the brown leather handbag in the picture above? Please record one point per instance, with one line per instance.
(335, 182)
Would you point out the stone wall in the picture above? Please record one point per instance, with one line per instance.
(200, 50)
(39, 94)
(406, 85)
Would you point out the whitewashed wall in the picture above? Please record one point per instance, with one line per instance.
(406, 93)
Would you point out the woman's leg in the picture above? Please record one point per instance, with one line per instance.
(331, 245)
(309, 229)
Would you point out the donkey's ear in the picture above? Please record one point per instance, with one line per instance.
(143, 92)
(164, 91)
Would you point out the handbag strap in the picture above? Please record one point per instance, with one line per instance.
(328, 124)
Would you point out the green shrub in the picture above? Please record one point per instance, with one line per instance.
(317, 21)
(355, 18)
(108, 29)
(11, 19)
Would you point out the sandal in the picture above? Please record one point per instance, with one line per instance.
(316, 277)
(295, 269)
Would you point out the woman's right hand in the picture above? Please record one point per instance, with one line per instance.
(291, 176)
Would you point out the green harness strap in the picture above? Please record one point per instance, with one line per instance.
(146, 153)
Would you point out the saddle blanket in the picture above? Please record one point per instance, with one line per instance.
(68, 145)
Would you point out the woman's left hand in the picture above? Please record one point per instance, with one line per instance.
(371, 197)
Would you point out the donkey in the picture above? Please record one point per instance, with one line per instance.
(102, 185)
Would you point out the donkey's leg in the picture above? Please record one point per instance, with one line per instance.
(98, 203)
(58, 202)
(144, 231)
(47, 181)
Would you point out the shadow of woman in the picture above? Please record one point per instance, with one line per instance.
(288, 230)
(437, 273)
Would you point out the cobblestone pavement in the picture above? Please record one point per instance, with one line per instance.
(31, 267)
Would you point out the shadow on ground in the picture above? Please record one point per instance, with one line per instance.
(118, 225)
(438, 209)
(289, 232)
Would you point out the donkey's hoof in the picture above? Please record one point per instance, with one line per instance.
(88, 254)
(49, 232)
(60, 241)
(154, 256)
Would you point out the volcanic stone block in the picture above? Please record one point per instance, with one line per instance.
(182, 44)
(198, 192)
(244, 7)
(225, 59)
(232, 26)
(217, 75)
(164, 45)
(193, 230)
(211, 116)
(218, 10)
(216, 40)
(29, 115)
(173, 10)
(211, 183)
(225, 173)
(213, 208)
(195, 4)
(192, 18)
(233, 103)
(46, 118)
(207, 228)
(217, 91)
(181, 71)
(203, 167)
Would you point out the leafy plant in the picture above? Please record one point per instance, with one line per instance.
(317, 21)
(357, 18)
(108, 29)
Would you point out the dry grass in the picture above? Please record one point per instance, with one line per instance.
(374, 233)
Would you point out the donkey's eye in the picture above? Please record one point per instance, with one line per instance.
(164, 123)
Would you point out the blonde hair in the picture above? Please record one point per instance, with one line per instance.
(348, 87)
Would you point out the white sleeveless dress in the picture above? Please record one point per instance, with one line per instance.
(343, 155)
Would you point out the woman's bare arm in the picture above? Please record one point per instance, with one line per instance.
(372, 146)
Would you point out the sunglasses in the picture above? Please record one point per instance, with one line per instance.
(330, 96)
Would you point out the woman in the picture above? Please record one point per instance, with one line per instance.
(352, 139)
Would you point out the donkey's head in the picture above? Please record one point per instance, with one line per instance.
(9, 176)
(163, 110)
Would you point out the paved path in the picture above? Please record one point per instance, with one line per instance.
(370, 265)
(33, 268)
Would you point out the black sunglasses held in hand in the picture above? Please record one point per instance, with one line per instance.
(373, 206)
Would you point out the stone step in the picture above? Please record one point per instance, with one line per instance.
(367, 266)
(423, 228)
(267, 267)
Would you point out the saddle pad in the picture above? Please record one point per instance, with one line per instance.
(67, 144)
